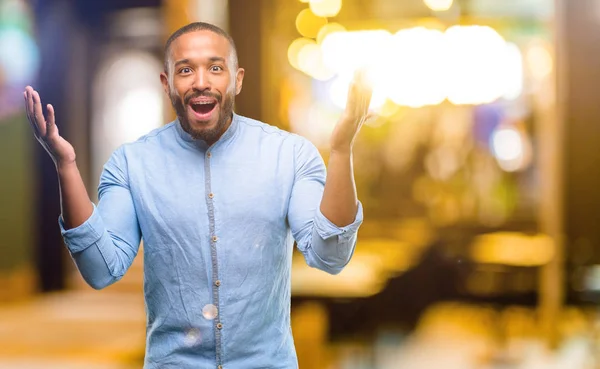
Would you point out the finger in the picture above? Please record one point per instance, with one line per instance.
(38, 113)
(365, 101)
(351, 99)
(26, 102)
(31, 114)
(31, 123)
(363, 91)
(29, 103)
(371, 116)
(51, 127)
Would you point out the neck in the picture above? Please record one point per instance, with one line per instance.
(225, 128)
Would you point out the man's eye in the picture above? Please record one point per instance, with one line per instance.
(185, 70)
(216, 68)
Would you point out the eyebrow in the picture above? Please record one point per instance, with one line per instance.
(211, 59)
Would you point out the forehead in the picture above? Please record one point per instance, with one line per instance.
(200, 45)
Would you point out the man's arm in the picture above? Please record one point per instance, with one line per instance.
(340, 202)
(75, 202)
(102, 256)
(325, 245)
(324, 212)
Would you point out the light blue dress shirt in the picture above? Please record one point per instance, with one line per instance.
(218, 225)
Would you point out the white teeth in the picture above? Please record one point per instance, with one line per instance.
(203, 103)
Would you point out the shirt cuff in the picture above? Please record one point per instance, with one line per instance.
(80, 238)
(326, 229)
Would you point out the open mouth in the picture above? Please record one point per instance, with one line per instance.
(203, 109)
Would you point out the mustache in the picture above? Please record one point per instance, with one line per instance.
(194, 95)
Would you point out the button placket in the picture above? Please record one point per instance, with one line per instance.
(214, 258)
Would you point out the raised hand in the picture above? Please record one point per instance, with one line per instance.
(355, 113)
(45, 129)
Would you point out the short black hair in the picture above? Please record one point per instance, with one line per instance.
(198, 26)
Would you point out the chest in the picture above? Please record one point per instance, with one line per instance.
(185, 194)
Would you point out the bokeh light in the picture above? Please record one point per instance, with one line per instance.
(511, 148)
(326, 8)
(209, 312)
(539, 61)
(19, 56)
(310, 61)
(476, 60)
(294, 51)
(416, 69)
(308, 24)
(328, 29)
(193, 337)
(439, 5)
(345, 52)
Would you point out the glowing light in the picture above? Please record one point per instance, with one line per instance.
(539, 61)
(308, 24)
(326, 8)
(310, 60)
(338, 93)
(417, 66)
(127, 103)
(513, 249)
(510, 148)
(388, 109)
(513, 71)
(309, 56)
(507, 144)
(209, 312)
(192, 337)
(19, 56)
(345, 52)
(315, 121)
(142, 106)
(476, 56)
(328, 29)
(438, 5)
(416, 72)
(294, 51)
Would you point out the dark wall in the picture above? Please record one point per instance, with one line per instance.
(580, 58)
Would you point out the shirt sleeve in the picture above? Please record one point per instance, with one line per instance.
(105, 245)
(324, 245)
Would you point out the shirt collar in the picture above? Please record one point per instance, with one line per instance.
(189, 140)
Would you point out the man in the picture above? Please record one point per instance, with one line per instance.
(218, 200)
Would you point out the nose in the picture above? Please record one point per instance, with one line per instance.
(201, 82)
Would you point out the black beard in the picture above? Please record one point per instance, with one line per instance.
(209, 136)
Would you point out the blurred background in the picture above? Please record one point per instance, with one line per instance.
(480, 179)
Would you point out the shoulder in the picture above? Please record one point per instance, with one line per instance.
(253, 126)
(148, 143)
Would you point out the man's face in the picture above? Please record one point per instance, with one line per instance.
(201, 84)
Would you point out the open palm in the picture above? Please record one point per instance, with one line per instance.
(355, 113)
(45, 129)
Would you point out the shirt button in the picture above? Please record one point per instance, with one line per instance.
(208, 154)
(219, 326)
(211, 195)
(220, 367)
(217, 283)
(215, 238)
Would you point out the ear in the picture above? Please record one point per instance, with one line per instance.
(164, 79)
(239, 78)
